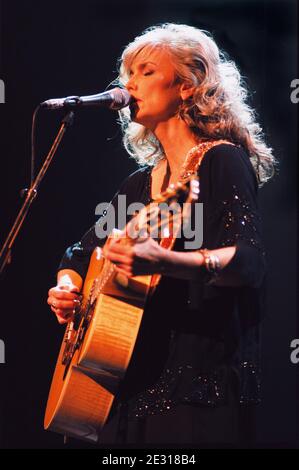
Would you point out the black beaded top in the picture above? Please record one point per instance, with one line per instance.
(195, 337)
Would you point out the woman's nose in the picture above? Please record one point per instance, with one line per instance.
(131, 84)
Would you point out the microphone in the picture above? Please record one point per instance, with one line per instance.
(115, 99)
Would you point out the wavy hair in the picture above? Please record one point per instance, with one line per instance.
(218, 108)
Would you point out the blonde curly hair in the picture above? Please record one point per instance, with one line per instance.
(218, 108)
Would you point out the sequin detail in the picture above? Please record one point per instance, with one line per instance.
(157, 400)
(240, 220)
(251, 384)
(206, 390)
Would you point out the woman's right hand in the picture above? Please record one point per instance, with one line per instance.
(63, 300)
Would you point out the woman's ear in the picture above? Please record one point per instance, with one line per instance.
(186, 91)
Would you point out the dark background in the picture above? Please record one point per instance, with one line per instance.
(53, 49)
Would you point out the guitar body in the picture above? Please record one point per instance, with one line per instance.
(82, 392)
(98, 344)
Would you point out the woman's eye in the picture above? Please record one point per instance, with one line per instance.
(148, 73)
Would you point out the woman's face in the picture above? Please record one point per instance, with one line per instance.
(153, 86)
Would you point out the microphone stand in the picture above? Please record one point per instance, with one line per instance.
(31, 193)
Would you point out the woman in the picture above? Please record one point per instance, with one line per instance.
(197, 354)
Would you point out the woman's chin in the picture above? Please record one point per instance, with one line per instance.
(145, 121)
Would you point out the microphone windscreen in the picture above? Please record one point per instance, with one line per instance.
(121, 98)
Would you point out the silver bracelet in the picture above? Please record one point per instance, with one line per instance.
(211, 261)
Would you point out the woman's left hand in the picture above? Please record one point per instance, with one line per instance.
(144, 257)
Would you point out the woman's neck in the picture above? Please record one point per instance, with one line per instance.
(176, 139)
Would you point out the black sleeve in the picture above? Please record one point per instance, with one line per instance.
(231, 216)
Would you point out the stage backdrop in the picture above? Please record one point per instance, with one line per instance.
(53, 49)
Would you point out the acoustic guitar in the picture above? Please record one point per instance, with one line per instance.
(99, 342)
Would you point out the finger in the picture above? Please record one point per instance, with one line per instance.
(111, 241)
(65, 315)
(137, 269)
(118, 258)
(62, 313)
(142, 238)
(117, 234)
(63, 304)
(119, 248)
(63, 295)
(63, 318)
(69, 288)
(64, 290)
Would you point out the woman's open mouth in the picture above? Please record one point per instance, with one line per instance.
(134, 106)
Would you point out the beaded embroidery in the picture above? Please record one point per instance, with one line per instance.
(208, 390)
(239, 217)
(251, 384)
(195, 155)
